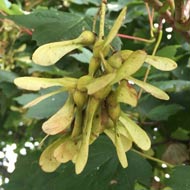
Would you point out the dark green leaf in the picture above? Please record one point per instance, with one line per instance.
(179, 179)
(173, 85)
(103, 172)
(163, 112)
(42, 110)
(168, 51)
(52, 25)
(7, 76)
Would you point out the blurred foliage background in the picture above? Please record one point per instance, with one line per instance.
(25, 25)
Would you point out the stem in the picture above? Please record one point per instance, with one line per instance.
(42, 141)
(152, 158)
(136, 38)
(182, 28)
(102, 19)
(160, 33)
(94, 21)
(150, 20)
(179, 11)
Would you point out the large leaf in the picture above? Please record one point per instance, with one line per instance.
(103, 172)
(40, 110)
(52, 25)
(168, 51)
(179, 179)
(7, 76)
(173, 85)
(163, 112)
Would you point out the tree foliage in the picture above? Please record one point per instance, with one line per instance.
(161, 28)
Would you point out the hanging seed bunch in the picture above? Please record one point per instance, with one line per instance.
(93, 103)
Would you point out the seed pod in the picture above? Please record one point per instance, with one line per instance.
(96, 126)
(77, 127)
(131, 65)
(139, 136)
(82, 155)
(83, 82)
(93, 65)
(80, 98)
(161, 63)
(126, 94)
(114, 30)
(127, 143)
(120, 150)
(61, 120)
(87, 38)
(49, 54)
(113, 107)
(98, 47)
(154, 91)
(66, 150)
(47, 161)
(36, 83)
(115, 60)
(100, 83)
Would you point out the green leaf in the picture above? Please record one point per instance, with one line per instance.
(179, 179)
(168, 51)
(163, 112)
(181, 119)
(7, 76)
(52, 25)
(84, 56)
(103, 172)
(40, 110)
(173, 85)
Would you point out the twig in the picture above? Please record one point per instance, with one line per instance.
(179, 11)
(183, 29)
(150, 16)
(102, 19)
(153, 159)
(136, 38)
(160, 33)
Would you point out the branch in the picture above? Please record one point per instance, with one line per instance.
(182, 28)
(179, 11)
